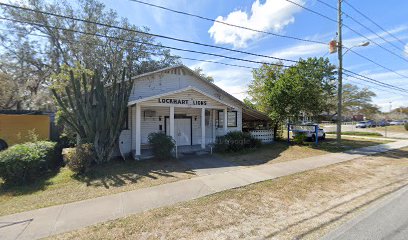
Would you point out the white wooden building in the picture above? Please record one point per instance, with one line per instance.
(182, 104)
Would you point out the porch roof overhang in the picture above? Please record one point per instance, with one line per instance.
(143, 100)
(249, 114)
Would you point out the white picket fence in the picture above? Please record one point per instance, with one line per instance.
(266, 136)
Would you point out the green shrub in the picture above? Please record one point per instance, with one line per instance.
(406, 126)
(67, 140)
(236, 141)
(162, 145)
(80, 158)
(300, 138)
(27, 162)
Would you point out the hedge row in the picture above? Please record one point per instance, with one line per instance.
(236, 141)
(26, 162)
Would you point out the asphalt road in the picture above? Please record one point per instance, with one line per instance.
(385, 220)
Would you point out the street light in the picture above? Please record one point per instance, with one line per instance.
(362, 44)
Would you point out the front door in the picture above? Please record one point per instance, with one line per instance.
(182, 130)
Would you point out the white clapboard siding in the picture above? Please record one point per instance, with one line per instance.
(172, 80)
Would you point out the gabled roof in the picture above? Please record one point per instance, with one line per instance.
(179, 91)
(245, 107)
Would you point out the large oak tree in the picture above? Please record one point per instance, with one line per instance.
(36, 46)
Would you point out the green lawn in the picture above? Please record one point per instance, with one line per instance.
(281, 151)
(300, 206)
(368, 134)
(119, 176)
(114, 177)
(396, 128)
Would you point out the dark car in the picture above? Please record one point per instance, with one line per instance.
(372, 123)
(382, 123)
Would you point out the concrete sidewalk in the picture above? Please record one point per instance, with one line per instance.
(62, 218)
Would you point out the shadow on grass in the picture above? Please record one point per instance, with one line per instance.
(270, 152)
(118, 172)
(115, 173)
(40, 184)
(256, 156)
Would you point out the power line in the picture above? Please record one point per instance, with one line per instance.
(364, 26)
(313, 11)
(162, 46)
(372, 61)
(328, 5)
(146, 43)
(145, 33)
(228, 64)
(153, 53)
(386, 49)
(193, 15)
(365, 78)
(228, 24)
(370, 86)
(351, 29)
(372, 21)
(375, 81)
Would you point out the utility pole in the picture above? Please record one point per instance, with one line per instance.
(340, 77)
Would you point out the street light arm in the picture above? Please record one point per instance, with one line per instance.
(363, 44)
(348, 49)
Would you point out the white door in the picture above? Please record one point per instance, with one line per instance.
(182, 130)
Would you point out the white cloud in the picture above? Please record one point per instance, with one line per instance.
(273, 15)
(313, 49)
(301, 50)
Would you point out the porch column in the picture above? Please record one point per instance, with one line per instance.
(214, 112)
(138, 131)
(225, 121)
(202, 128)
(171, 123)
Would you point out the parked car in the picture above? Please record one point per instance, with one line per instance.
(372, 123)
(397, 122)
(382, 123)
(309, 131)
(363, 124)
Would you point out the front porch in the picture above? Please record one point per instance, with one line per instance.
(189, 116)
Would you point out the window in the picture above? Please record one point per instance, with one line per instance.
(231, 118)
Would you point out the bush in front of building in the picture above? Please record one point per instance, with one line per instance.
(80, 158)
(162, 145)
(406, 126)
(23, 163)
(236, 141)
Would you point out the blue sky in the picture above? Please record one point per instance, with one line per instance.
(284, 18)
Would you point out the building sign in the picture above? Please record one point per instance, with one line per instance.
(182, 101)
